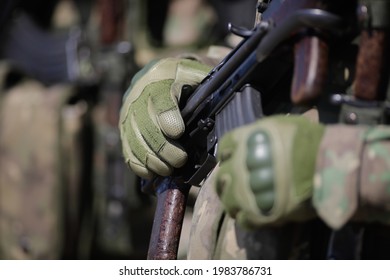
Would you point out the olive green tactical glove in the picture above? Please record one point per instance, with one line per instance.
(150, 118)
(267, 169)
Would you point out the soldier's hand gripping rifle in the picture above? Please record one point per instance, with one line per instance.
(224, 100)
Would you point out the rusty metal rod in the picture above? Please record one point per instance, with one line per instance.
(168, 219)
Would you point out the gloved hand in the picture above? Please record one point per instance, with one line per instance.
(267, 169)
(150, 118)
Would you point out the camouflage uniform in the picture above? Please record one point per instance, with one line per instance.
(350, 186)
(36, 178)
(63, 189)
(328, 179)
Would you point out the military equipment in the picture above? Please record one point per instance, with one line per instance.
(79, 206)
(365, 103)
(230, 77)
(39, 209)
(50, 57)
(115, 191)
(316, 38)
(231, 83)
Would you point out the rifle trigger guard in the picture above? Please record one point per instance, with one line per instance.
(208, 164)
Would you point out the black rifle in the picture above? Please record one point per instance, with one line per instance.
(226, 99)
(231, 80)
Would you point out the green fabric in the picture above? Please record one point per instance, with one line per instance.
(306, 143)
(267, 169)
(158, 91)
(261, 182)
(195, 65)
(150, 119)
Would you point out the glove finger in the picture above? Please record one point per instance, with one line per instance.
(151, 133)
(152, 167)
(231, 186)
(166, 109)
(173, 154)
(139, 168)
(165, 93)
(189, 72)
(234, 192)
(225, 151)
(226, 147)
(166, 101)
(142, 151)
(155, 164)
(224, 183)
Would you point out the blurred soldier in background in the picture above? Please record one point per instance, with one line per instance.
(198, 23)
(63, 189)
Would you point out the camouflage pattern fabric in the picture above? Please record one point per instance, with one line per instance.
(215, 235)
(50, 206)
(208, 213)
(374, 177)
(30, 187)
(335, 187)
(352, 175)
(351, 183)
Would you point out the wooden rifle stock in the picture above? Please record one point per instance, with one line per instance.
(310, 56)
(372, 61)
(310, 69)
(310, 65)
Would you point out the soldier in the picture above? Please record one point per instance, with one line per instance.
(302, 182)
(63, 189)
